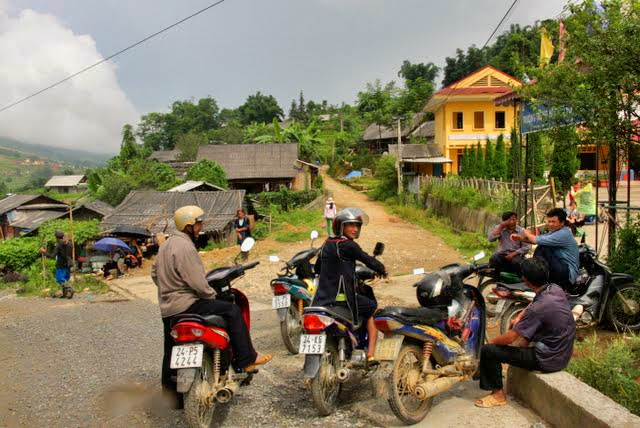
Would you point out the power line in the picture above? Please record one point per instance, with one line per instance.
(112, 56)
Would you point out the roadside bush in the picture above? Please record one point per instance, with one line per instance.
(613, 369)
(287, 199)
(387, 177)
(20, 253)
(83, 230)
(318, 184)
(626, 258)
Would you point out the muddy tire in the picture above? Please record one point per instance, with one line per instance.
(403, 404)
(510, 314)
(325, 387)
(291, 329)
(198, 410)
(623, 308)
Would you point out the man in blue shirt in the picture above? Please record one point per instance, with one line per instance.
(558, 248)
(547, 321)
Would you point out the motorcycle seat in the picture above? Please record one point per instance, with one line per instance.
(342, 313)
(293, 281)
(206, 320)
(427, 316)
(519, 286)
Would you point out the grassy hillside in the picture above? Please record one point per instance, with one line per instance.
(17, 149)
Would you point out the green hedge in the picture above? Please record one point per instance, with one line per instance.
(286, 199)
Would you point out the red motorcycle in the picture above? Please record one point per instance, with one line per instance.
(202, 355)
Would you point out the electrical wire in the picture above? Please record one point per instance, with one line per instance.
(157, 33)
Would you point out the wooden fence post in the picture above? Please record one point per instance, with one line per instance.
(553, 192)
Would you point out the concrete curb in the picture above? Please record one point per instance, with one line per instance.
(564, 401)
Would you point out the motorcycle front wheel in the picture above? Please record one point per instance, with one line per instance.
(291, 329)
(325, 387)
(509, 315)
(404, 376)
(623, 308)
(198, 406)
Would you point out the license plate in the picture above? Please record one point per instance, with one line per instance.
(499, 306)
(282, 301)
(387, 349)
(186, 356)
(312, 343)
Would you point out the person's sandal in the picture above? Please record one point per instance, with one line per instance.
(489, 401)
(260, 360)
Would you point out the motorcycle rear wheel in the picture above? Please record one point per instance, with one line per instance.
(403, 404)
(197, 411)
(325, 387)
(510, 314)
(625, 315)
(291, 329)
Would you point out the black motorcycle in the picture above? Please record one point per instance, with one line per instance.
(597, 296)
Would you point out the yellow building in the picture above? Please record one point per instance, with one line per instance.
(466, 113)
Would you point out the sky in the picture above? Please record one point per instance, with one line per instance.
(329, 49)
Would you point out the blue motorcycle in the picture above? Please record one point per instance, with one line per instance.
(430, 349)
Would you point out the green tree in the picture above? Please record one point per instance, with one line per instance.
(564, 161)
(471, 162)
(514, 160)
(259, 108)
(536, 160)
(489, 155)
(479, 161)
(188, 144)
(232, 133)
(209, 171)
(151, 175)
(386, 174)
(464, 164)
(500, 159)
(129, 149)
(113, 188)
(376, 104)
(412, 72)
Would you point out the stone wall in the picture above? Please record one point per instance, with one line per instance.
(464, 218)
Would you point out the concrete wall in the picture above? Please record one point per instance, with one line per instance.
(463, 218)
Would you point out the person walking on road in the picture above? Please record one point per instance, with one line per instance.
(179, 274)
(330, 211)
(62, 254)
(242, 226)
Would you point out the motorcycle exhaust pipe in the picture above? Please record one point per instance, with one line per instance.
(343, 374)
(225, 394)
(426, 390)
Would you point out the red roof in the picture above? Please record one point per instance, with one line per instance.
(453, 85)
(469, 91)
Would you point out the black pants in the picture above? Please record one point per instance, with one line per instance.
(243, 351)
(491, 358)
(500, 263)
(558, 270)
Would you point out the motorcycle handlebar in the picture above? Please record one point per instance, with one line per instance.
(250, 266)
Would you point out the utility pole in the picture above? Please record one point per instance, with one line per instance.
(399, 159)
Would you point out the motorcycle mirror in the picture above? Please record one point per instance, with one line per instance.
(378, 250)
(479, 256)
(314, 235)
(274, 259)
(247, 245)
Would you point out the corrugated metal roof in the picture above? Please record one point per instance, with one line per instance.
(416, 151)
(154, 210)
(100, 207)
(425, 130)
(375, 132)
(33, 219)
(246, 161)
(165, 155)
(64, 180)
(191, 185)
(14, 201)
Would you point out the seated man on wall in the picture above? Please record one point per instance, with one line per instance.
(510, 253)
(547, 321)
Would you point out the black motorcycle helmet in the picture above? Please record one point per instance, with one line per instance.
(348, 215)
(435, 290)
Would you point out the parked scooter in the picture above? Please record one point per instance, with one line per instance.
(488, 280)
(334, 346)
(598, 295)
(293, 290)
(202, 356)
(432, 348)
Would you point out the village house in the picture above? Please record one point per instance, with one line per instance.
(196, 186)
(261, 167)
(95, 210)
(67, 184)
(24, 214)
(378, 137)
(154, 211)
(420, 160)
(466, 113)
(171, 158)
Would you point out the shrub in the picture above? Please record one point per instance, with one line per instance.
(387, 177)
(209, 171)
(20, 253)
(453, 191)
(318, 184)
(287, 199)
(83, 230)
(613, 369)
(626, 258)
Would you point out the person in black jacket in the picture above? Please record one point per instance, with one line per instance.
(336, 266)
(64, 261)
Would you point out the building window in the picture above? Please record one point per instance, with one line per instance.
(501, 120)
(478, 120)
(458, 120)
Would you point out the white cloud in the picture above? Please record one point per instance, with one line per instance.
(87, 112)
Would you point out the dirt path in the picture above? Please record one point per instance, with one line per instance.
(407, 245)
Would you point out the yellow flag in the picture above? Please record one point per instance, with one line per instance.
(546, 48)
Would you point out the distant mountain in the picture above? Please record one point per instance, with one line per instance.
(67, 156)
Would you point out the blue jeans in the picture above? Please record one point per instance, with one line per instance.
(63, 275)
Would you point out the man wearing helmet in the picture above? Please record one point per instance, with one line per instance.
(336, 266)
(179, 275)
